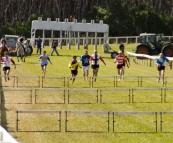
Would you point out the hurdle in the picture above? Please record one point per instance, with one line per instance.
(28, 83)
(151, 77)
(11, 82)
(104, 118)
(119, 116)
(53, 91)
(56, 78)
(166, 122)
(116, 92)
(109, 81)
(137, 78)
(167, 78)
(16, 90)
(150, 96)
(166, 99)
(81, 94)
(39, 112)
(100, 78)
(87, 83)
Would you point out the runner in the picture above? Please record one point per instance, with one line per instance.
(120, 61)
(85, 64)
(73, 65)
(95, 63)
(6, 65)
(44, 61)
(160, 62)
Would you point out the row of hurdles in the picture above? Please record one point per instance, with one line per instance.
(87, 96)
(95, 121)
(102, 82)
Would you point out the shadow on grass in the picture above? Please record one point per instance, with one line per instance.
(33, 63)
(2, 106)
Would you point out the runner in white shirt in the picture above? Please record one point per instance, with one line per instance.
(94, 59)
(6, 65)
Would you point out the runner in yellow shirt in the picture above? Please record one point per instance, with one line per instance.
(73, 65)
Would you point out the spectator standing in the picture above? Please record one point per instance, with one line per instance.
(3, 48)
(54, 46)
(3, 40)
(39, 44)
(122, 47)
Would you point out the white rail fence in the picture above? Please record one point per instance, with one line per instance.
(100, 40)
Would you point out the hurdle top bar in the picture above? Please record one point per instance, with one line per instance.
(37, 111)
(86, 112)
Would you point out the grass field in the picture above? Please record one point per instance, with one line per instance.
(84, 98)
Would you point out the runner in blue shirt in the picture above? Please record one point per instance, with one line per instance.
(44, 61)
(85, 64)
(160, 62)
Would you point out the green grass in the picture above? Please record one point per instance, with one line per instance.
(110, 102)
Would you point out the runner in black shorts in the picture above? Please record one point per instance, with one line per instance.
(73, 65)
(6, 68)
(94, 66)
(94, 59)
(6, 65)
(160, 62)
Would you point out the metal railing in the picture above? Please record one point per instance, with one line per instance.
(39, 112)
(90, 96)
(64, 82)
(100, 121)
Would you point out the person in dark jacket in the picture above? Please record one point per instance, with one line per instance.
(54, 45)
(39, 44)
(122, 47)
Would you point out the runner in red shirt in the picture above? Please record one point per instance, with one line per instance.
(120, 60)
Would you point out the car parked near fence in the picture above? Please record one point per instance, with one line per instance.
(11, 43)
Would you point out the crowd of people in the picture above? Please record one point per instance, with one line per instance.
(84, 62)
